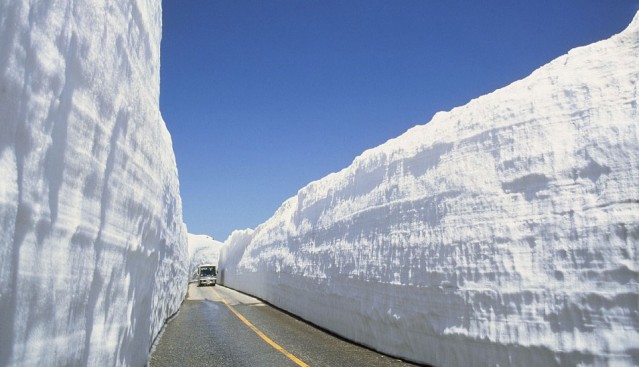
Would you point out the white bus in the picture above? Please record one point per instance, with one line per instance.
(206, 274)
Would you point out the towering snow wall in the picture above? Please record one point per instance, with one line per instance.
(503, 232)
(93, 254)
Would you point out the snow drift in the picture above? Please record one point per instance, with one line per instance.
(503, 232)
(203, 249)
(93, 254)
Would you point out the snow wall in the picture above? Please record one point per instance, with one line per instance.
(203, 249)
(503, 232)
(93, 254)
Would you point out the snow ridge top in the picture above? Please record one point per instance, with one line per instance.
(416, 137)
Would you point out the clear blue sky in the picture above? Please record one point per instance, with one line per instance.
(262, 97)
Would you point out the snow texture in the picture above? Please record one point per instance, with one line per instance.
(93, 250)
(203, 250)
(503, 232)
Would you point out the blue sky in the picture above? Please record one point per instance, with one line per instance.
(263, 97)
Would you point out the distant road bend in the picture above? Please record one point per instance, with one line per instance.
(218, 326)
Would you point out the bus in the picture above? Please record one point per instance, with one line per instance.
(207, 275)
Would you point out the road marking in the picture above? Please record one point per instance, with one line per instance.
(268, 340)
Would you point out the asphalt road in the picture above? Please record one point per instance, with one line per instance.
(218, 326)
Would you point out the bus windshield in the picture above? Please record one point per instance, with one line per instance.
(207, 271)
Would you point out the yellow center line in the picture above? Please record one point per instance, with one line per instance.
(268, 340)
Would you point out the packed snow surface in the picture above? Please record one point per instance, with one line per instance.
(203, 249)
(503, 232)
(93, 250)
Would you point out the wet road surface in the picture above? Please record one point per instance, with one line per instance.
(217, 326)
